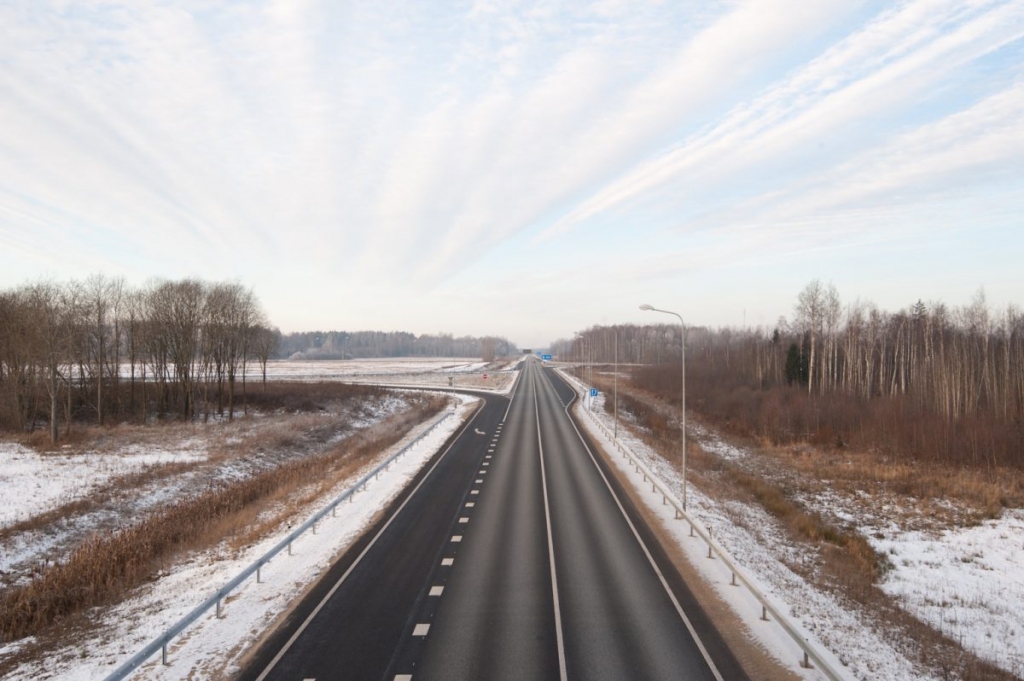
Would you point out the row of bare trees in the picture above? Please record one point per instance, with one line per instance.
(98, 349)
(926, 379)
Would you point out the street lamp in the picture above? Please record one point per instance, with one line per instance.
(682, 342)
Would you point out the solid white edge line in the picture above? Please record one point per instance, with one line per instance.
(563, 674)
(650, 558)
(298, 632)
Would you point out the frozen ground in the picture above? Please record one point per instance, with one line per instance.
(966, 582)
(32, 483)
(212, 646)
(419, 372)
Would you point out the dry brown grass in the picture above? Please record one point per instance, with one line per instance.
(107, 565)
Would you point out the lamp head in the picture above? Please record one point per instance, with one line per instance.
(646, 308)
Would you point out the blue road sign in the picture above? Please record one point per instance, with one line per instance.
(546, 358)
(593, 392)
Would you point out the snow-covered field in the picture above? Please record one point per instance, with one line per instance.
(426, 372)
(211, 645)
(32, 483)
(966, 582)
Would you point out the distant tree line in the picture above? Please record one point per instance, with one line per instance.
(99, 349)
(928, 380)
(366, 344)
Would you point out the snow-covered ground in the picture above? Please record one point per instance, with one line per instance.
(32, 483)
(425, 372)
(966, 582)
(212, 645)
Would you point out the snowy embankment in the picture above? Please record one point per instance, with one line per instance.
(212, 647)
(966, 582)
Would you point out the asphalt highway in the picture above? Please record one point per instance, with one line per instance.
(514, 555)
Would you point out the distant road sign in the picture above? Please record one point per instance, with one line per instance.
(593, 392)
(546, 358)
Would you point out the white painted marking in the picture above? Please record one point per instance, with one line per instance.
(436, 590)
(463, 520)
(457, 538)
(476, 491)
(421, 630)
(488, 456)
(403, 677)
(479, 481)
(470, 504)
(486, 464)
(447, 561)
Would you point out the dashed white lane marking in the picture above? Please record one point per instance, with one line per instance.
(479, 481)
(403, 677)
(488, 456)
(476, 491)
(463, 520)
(447, 561)
(421, 630)
(436, 590)
(486, 463)
(470, 504)
(456, 538)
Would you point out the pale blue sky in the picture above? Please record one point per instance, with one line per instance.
(524, 169)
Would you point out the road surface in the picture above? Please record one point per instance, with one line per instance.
(514, 555)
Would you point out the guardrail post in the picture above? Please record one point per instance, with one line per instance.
(220, 608)
(314, 528)
(734, 579)
(289, 548)
(764, 613)
(163, 655)
(259, 576)
(806, 663)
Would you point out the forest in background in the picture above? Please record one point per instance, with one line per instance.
(930, 382)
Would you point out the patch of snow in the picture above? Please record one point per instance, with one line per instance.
(967, 582)
(34, 483)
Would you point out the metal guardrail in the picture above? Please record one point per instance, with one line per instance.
(217, 599)
(811, 654)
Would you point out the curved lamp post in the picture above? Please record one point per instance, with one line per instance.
(682, 342)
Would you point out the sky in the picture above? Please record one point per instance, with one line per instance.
(513, 168)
